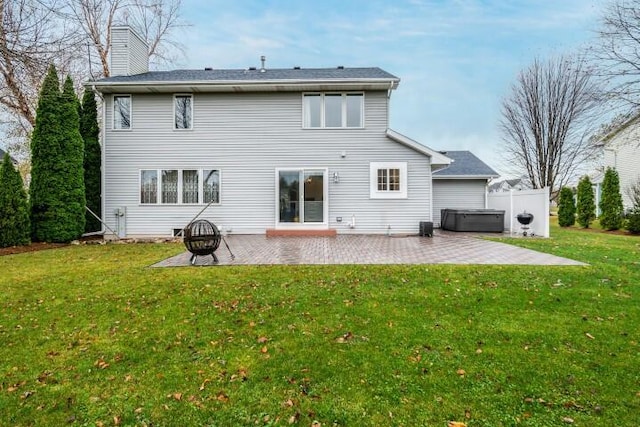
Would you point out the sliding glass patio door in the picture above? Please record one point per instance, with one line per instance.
(301, 195)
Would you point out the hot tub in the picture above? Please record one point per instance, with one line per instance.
(478, 220)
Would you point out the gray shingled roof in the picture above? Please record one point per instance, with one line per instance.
(465, 164)
(275, 74)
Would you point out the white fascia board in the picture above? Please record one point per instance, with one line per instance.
(242, 85)
(437, 158)
(485, 177)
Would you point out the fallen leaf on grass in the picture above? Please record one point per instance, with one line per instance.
(461, 372)
(591, 337)
(101, 364)
(262, 340)
(117, 420)
(204, 383)
(456, 424)
(27, 394)
(222, 397)
(294, 418)
(175, 396)
(264, 350)
(567, 420)
(344, 338)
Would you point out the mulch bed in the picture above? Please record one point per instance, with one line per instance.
(41, 246)
(30, 248)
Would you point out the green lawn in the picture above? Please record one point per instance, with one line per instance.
(91, 336)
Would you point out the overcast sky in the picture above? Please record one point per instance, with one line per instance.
(456, 59)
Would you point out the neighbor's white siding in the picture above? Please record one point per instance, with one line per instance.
(623, 154)
(129, 53)
(247, 136)
(457, 194)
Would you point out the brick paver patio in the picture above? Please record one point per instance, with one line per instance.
(442, 248)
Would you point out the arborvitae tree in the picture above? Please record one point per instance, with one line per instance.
(586, 206)
(633, 220)
(46, 158)
(73, 148)
(14, 208)
(92, 159)
(566, 208)
(57, 184)
(611, 207)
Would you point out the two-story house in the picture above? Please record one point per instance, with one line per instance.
(267, 150)
(621, 151)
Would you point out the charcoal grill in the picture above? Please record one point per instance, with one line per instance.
(202, 238)
(525, 219)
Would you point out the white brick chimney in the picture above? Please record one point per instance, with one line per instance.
(129, 52)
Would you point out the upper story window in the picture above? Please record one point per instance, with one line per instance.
(183, 111)
(388, 180)
(122, 111)
(333, 110)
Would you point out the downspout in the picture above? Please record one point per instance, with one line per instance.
(486, 194)
(388, 99)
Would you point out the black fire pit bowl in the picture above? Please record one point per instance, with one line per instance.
(202, 237)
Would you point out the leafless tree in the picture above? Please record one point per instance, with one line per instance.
(70, 34)
(154, 20)
(618, 50)
(547, 119)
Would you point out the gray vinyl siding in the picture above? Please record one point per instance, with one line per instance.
(457, 194)
(624, 156)
(129, 53)
(247, 136)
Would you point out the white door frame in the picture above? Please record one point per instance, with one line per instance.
(325, 205)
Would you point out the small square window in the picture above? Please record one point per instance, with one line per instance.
(388, 180)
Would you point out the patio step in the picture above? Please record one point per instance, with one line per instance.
(272, 232)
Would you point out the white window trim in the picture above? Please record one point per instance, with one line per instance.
(113, 112)
(175, 95)
(180, 203)
(343, 110)
(374, 193)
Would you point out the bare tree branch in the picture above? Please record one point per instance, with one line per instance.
(547, 118)
(69, 34)
(618, 50)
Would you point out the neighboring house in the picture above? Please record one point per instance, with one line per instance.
(461, 185)
(621, 150)
(273, 150)
(517, 184)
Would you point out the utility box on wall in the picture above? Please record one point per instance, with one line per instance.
(121, 221)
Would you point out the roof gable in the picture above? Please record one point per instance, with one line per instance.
(437, 159)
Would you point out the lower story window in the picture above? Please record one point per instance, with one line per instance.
(388, 180)
(175, 186)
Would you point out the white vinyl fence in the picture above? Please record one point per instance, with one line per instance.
(535, 202)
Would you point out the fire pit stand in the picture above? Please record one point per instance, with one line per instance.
(202, 237)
